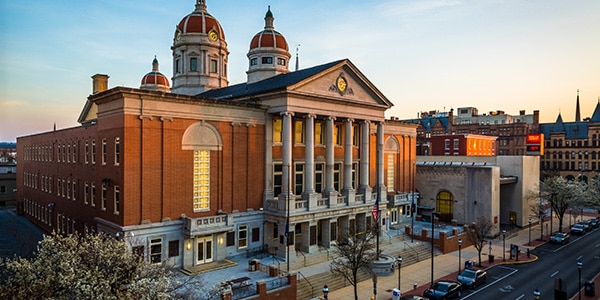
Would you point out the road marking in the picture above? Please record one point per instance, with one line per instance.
(579, 257)
(520, 297)
(494, 282)
(553, 274)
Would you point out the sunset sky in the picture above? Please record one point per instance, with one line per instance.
(423, 55)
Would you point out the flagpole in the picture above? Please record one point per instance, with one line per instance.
(377, 201)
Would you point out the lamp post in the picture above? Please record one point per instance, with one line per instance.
(459, 260)
(503, 245)
(536, 294)
(579, 266)
(433, 215)
(325, 292)
(529, 232)
(399, 265)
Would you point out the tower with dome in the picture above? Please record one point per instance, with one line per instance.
(281, 164)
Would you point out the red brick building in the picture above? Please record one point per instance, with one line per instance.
(206, 171)
(463, 145)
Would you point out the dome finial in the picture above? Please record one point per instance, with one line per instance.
(269, 19)
(201, 5)
(155, 64)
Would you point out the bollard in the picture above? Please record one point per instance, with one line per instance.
(414, 286)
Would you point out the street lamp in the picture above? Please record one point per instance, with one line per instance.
(536, 294)
(579, 266)
(325, 292)
(433, 215)
(529, 232)
(399, 265)
(459, 260)
(503, 245)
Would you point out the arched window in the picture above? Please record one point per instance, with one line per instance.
(445, 205)
(391, 149)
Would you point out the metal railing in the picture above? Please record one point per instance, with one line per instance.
(312, 287)
(411, 248)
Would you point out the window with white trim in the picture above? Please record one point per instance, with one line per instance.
(243, 236)
(156, 250)
(117, 199)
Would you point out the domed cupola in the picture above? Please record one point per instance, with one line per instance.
(155, 80)
(269, 53)
(199, 53)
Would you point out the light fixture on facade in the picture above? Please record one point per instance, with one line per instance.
(189, 245)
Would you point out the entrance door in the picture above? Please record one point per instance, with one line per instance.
(205, 249)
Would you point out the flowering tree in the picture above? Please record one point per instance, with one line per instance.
(93, 266)
(564, 194)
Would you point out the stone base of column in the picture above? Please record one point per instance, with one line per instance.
(366, 192)
(282, 202)
(312, 199)
(349, 194)
(331, 196)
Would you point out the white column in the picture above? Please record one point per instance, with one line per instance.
(380, 158)
(348, 157)
(309, 153)
(268, 193)
(364, 156)
(329, 158)
(287, 153)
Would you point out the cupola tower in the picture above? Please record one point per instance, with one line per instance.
(199, 53)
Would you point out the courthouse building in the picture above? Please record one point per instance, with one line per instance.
(201, 170)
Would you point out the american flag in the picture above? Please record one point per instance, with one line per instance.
(376, 211)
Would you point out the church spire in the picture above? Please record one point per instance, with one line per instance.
(577, 112)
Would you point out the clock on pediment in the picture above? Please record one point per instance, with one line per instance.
(341, 85)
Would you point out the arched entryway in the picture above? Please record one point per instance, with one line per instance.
(445, 206)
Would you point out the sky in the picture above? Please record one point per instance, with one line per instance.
(423, 55)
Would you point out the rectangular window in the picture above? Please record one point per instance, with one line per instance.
(277, 178)
(319, 178)
(230, 239)
(177, 66)
(267, 60)
(355, 135)
(117, 151)
(446, 144)
(277, 130)
(86, 193)
(93, 151)
(174, 248)
(242, 236)
(337, 176)
(69, 152)
(156, 250)
(254, 61)
(299, 179)
(193, 64)
(201, 180)
(213, 66)
(93, 194)
(298, 132)
(337, 134)
(103, 151)
(318, 133)
(74, 189)
(58, 187)
(456, 144)
(354, 175)
(255, 234)
(103, 200)
(117, 195)
(87, 152)
(281, 61)
(390, 173)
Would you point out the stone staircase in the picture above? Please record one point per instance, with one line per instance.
(311, 286)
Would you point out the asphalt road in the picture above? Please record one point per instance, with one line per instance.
(17, 235)
(556, 262)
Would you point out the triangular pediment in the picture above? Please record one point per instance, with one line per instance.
(342, 82)
(89, 112)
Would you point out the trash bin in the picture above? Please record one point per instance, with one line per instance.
(491, 259)
(395, 294)
(589, 288)
(252, 265)
(468, 264)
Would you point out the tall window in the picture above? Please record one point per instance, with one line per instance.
(156, 250)
(319, 178)
(93, 151)
(201, 180)
(243, 236)
(103, 151)
(193, 64)
(277, 178)
(390, 173)
(86, 193)
(117, 198)
(336, 176)
(298, 132)
(213, 66)
(277, 130)
(87, 151)
(117, 151)
(354, 175)
(355, 135)
(337, 134)
(299, 179)
(74, 153)
(103, 200)
(74, 189)
(318, 133)
(446, 144)
(93, 194)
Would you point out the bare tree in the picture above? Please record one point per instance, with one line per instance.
(477, 232)
(353, 253)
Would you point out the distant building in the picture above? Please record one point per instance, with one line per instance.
(511, 130)
(200, 170)
(572, 149)
(8, 183)
(463, 145)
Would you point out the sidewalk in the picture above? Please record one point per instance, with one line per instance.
(446, 266)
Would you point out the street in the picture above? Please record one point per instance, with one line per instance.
(17, 235)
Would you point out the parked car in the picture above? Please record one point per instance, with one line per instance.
(472, 278)
(578, 229)
(594, 223)
(586, 225)
(560, 238)
(413, 298)
(444, 290)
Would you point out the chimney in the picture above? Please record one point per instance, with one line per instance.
(536, 117)
(99, 83)
(522, 112)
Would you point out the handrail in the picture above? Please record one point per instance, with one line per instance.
(411, 248)
(302, 253)
(389, 237)
(326, 250)
(312, 287)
